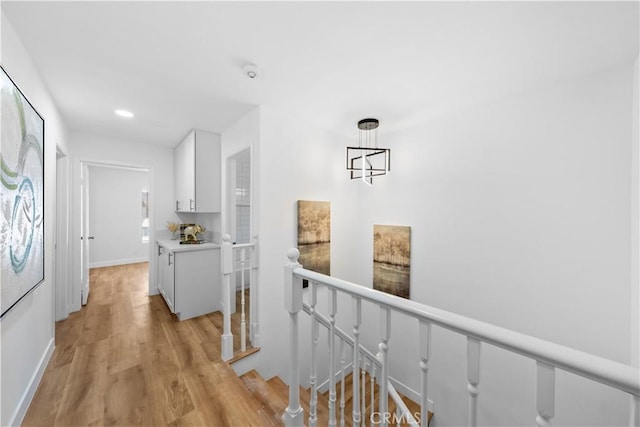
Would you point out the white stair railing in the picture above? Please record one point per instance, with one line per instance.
(548, 356)
(238, 260)
(369, 360)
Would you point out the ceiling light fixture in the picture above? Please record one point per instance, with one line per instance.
(124, 113)
(251, 71)
(367, 160)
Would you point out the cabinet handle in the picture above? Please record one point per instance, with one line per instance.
(159, 250)
(170, 258)
(177, 205)
(192, 205)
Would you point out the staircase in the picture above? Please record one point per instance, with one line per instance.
(272, 396)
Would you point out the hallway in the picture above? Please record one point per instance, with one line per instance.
(125, 360)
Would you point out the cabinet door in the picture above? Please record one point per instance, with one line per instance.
(159, 269)
(168, 281)
(184, 174)
(197, 283)
(207, 171)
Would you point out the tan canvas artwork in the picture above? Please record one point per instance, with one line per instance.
(392, 259)
(314, 235)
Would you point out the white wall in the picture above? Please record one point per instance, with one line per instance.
(158, 160)
(522, 220)
(297, 162)
(520, 216)
(115, 217)
(635, 221)
(28, 330)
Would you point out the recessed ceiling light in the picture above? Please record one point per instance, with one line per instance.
(124, 113)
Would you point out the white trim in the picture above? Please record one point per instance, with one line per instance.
(410, 393)
(62, 252)
(113, 262)
(246, 364)
(21, 410)
(75, 213)
(634, 284)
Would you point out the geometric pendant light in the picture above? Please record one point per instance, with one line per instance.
(368, 160)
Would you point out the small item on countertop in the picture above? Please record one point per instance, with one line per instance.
(191, 232)
(173, 227)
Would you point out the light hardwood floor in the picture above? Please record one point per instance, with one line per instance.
(125, 360)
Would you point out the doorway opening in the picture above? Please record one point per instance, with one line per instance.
(115, 226)
(239, 196)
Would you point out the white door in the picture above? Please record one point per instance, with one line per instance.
(85, 233)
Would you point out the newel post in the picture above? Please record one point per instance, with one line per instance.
(227, 269)
(294, 414)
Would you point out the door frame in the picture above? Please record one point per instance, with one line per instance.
(77, 236)
(62, 253)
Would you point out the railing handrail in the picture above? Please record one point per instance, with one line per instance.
(599, 369)
(243, 245)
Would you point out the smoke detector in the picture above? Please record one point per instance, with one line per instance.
(251, 71)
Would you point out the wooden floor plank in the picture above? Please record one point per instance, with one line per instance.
(125, 359)
(125, 398)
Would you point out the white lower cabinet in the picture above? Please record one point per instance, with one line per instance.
(189, 280)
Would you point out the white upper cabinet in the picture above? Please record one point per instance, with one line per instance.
(197, 173)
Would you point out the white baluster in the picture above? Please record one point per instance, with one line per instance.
(364, 390)
(313, 380)
(294, 414)
(243, 320)
(333, 303)
(357, 319)
(254, 333)
(372, 380)
(545, 394)
(383, 347)
(227, 269)
(342, 350)
(473, 376)
(634, 412)
(424, 339)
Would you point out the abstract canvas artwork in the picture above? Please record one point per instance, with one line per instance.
(392, 259)
(314, 235)
(21, 195)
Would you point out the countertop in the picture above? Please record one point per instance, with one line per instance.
(175, 246)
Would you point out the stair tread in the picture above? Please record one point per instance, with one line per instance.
(235, 403)
(348, 393)
(273, 396)
(272, 403)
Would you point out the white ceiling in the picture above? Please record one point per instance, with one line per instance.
(178, 65)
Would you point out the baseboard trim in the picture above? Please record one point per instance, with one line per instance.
(111, 263)
(27, 397)
(411, 394)
(405, 389)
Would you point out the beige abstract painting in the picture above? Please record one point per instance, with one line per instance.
(392, 259)
(314, 235)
